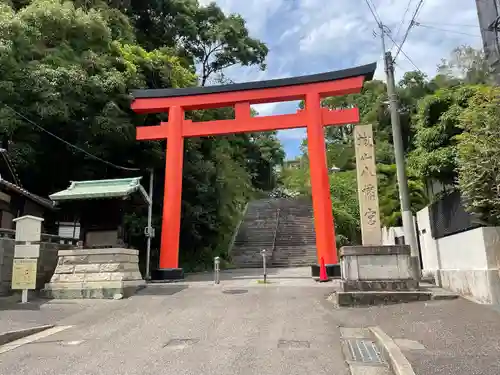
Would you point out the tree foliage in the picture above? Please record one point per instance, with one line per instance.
(68, 68)
(436, 126)
(479, 155)
(203, 35)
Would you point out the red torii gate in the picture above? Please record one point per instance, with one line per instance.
(310, 88)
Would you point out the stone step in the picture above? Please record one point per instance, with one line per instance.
(249, 241)
(284, 227)
(297, 237)
(251, 250)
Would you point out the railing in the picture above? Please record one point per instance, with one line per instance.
(237, 229)
(7, 233)
(275, 232)
(51, 238)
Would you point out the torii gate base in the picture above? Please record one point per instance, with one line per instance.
(240, 96)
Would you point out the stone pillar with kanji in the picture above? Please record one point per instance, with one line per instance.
(367, 185)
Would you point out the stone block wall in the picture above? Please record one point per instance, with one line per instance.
(386, 267)
(47, 262)
(95, 273)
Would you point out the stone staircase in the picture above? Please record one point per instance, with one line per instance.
(284, 227)
(295, 243)
(257, 231)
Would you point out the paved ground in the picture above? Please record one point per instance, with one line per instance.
(232, 334)
(459, 336)
(194, 328)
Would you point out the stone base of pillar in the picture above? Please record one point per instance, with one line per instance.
(95, 273)
(378, 275)
(332, 271)
(167, 274)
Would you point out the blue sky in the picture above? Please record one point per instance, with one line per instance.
(314, 36)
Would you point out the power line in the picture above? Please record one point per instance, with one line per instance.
(452, 24)
(402, 21)
(446, 30)
(410, 25)
(373, 12)
(404, 54)
(70, 144)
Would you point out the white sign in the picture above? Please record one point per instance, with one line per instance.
(27, 251)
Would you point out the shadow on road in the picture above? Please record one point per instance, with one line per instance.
(161, 290)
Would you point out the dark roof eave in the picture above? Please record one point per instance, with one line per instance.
(367, 71)
(81, 198)
(35, 198)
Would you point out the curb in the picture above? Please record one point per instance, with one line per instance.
(9, 336)
(396, 358)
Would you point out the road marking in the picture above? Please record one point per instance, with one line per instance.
(31, 338)
(72, 343)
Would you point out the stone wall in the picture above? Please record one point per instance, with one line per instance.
(95, 273)
(47, 262)
(467, 263)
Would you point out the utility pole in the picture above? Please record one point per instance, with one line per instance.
(404, 195)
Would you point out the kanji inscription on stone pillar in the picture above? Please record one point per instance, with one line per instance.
(367, 185)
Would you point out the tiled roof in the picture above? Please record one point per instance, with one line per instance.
(36, 198)
(98, 189)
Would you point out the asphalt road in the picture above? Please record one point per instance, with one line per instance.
(192, 330)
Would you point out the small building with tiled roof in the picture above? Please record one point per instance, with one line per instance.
(99, 208)
(15, 201)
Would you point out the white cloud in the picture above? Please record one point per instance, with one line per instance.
(312, 36)
(292, 134)
(265, 109)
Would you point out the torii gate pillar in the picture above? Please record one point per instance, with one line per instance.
(241, 96)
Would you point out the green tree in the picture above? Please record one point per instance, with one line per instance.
(70, 70)
(479, 155)
(466, 65)
(202, 35)
(436, 126)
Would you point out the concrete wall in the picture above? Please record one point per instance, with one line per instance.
(47, 262)
(392, 235)
(467, 262)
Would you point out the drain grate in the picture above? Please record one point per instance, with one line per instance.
(293, 344)
(364, 351)
(235, 291)
(180, 343)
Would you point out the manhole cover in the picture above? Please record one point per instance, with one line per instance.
(293, 344)
(235, 291)
(180, 343)
(364, 351)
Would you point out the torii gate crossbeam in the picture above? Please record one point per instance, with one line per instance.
(241, 96)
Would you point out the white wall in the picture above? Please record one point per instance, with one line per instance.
(390, 234)
(464, 262)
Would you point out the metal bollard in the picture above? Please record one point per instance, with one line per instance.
(263, 253)
(216, 270)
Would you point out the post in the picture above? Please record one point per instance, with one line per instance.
(169, 251)
(322, 202)
(26, 254)
(216, 270)
(149, 233)
(263, 253)
(404, 196)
